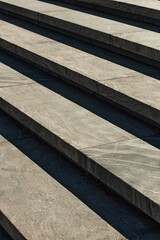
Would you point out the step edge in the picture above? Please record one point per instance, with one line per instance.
(100, 39)
(126, 103)
(122, 188)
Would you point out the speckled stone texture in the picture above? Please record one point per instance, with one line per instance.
(50, 87)
(144, 10)
(39, 207)
(114, 210)
(101, 148)
(134, 91)
(136, 42)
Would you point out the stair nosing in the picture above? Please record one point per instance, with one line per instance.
(82, 157)
(130, 105)
(133, 11)
(23, 224)
(104, 40)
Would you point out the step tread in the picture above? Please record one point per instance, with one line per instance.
(141, 11)
(112, 208)
(94, 73)
(154, 4)
(16, 72)
(101, 24)
(133, 6)
(98, 146)
(41, 208)
(148, 41)
(10, 77)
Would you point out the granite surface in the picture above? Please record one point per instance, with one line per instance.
(18, 71)
(39, 207)
(63, 117)
(146, 10)
(123, 162)
(120, 157)
(4, 235)
(135, 42)
(113, 209)
(117, 83)
(10, 77)
(149, 4)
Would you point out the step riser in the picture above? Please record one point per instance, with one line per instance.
(125, 10)
(103, 40)
(107, 178)
(134, 107)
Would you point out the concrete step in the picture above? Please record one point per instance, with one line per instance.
(131, 86)
(114, 210)
(146, 11)
(136, 42)
(34, 206)
(15, 72)
(120, 160)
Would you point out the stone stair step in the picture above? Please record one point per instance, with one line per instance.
(114, 210)
(16, 72)
(34, 206)
(120, 160)
(129, 89)
(146, 11)
(136, 42)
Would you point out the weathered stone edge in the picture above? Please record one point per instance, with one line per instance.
(112, 181)
(110, 42)
(127, 103)
(126, 10)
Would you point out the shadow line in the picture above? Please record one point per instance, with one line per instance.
(85, 9)
(122, 216)
(110, 113)
(85, 47)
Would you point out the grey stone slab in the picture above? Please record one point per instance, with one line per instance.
(151, 4)
(147, 11)
(135, 42)
(113, 209)
(95, 74)
(10, 77)
(137, 91)
(79, 134)
(138, 165)
(35, 206)
(2, 139)
(63, 117)
(20, 70)
(6, 127)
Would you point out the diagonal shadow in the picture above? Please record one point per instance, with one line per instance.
(104, 54)
(104, 110)
(4, 235)
(112, 208)
(77, 6)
